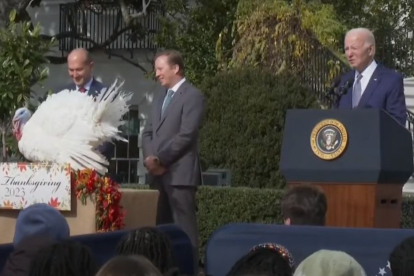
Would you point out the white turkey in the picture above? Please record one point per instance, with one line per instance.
(68, 127)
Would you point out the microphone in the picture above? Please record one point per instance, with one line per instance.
(344, 88)
(334, 85)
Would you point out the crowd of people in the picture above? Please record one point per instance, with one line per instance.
(170, 150)
(42, 248)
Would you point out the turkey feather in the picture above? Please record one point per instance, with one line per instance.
(68, 126)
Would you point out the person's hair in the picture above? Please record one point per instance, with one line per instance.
(128, 266)
(264, 262)
(173, 58)
(402, 258)
(369, 36)
(150, 243)
(305, 205)
(66, 258)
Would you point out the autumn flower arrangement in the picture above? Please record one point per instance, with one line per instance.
(105, 192)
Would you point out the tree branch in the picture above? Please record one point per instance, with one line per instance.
(130, 18)
(110, 53)
(96, 46)
(123, 15)
(23, 5)
(143, 12)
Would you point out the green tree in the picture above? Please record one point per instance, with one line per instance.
(194, 31)
(282, 35)
(244, 123)
(390, 20)
(22, 56)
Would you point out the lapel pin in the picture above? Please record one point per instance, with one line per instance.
(375, 79)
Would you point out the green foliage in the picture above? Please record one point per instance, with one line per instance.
(280, 34)
(390, 20)
(244, 123)
(194, 31)
(220, 206)
(22, 55)
(408, 212)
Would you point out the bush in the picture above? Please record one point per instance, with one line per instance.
(22, 57)
(221, 206)
(244, 123)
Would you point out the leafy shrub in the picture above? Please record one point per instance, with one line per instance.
(244, 123)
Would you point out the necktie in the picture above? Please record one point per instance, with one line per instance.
(357, 91)
(82, 89)
(167, 100)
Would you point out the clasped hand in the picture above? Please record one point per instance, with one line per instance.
(153, 165)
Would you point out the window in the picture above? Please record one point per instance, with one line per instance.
(124, 165)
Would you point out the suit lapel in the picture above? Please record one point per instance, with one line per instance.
(371, 87)
(93, 91)
(158, 104)
(173, 101)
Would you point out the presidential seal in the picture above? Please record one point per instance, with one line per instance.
(329, 139)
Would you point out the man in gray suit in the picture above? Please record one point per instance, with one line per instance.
(170, 145)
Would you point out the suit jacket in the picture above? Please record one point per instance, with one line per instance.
(107, 148)
(173, 138)
(385, 90)
(94, 90)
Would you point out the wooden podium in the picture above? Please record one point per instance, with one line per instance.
(361, 158)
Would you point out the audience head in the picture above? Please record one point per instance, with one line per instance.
(80, 66)
(40, 220)
(66, 258)
(128, 266)
(20, 260)
(150, 243)
(169, 67)
(264, 260)
(359, 48)
(327, 262)
(402, 258)
(304, 205)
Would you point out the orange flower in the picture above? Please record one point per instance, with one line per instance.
(22, 166)
(109, 213)
(7, 204)
(54, 202)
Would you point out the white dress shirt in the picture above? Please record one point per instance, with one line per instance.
(87, 86)
(174, 88)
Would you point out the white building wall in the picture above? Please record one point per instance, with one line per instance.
(106, 69)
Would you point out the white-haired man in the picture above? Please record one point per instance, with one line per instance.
(374, 85)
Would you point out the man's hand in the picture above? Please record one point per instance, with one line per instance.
(153, 165)
(160, 170)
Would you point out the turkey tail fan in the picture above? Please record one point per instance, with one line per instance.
(109, 90)
(112, 106)
(84, 157)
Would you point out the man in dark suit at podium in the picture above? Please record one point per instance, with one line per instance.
(370, 85)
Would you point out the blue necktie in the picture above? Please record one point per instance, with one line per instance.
(357, 91)
(167, 100)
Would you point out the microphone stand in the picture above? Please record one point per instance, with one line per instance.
(342, 91)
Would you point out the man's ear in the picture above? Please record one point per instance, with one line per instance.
(287, 221)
